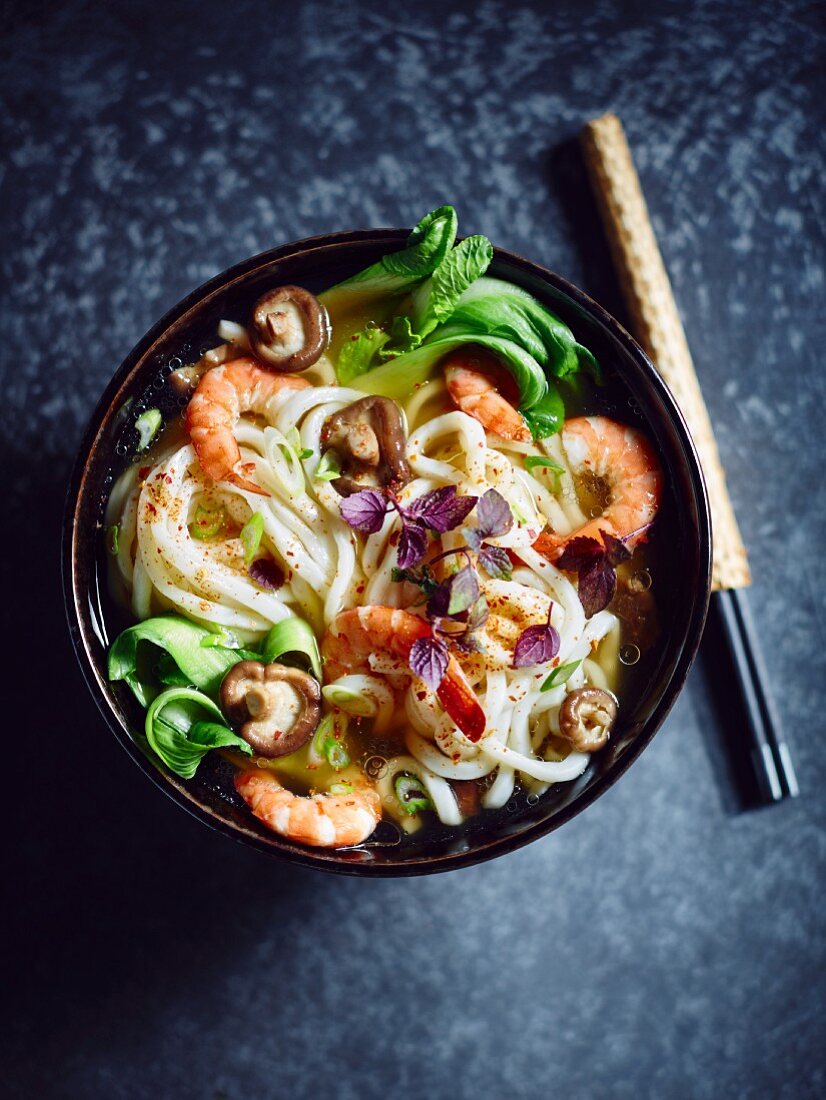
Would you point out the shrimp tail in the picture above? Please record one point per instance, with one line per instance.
(245, 484)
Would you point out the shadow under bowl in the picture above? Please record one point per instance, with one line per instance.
(683, 530)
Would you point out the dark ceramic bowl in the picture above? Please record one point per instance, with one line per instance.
(681, 584)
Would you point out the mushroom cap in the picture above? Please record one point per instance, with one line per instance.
(587, 717)
(276, 709)
(290, 329)
(370, 437)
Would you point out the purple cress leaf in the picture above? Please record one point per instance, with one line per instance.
(441, 510)
(493, 515)
(428, 659)
(412, 543)
(364, 510)
(615, 549)
(597, 585)
(496, 562)
(537, 645)
(579, 554)
(267, 573)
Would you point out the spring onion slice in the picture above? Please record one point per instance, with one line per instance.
(290, 636)
(147, 426)
(351, 702)
(560, 675)
(251, 534)
(113, 539)
(207, 522)
(328, 468)
(410, 794)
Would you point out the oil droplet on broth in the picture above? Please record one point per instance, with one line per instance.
(641, 581)
(375, 767)
(629, 654)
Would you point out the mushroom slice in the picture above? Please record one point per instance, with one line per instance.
(587, 717)
(275, 709)
(370, 439)
(290, 329)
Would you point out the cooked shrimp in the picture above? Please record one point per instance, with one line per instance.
(625, 461)
(354, 635)
(223, 395)
(475, 380)
(320, 820)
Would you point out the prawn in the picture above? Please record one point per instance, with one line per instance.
(222, 395)
(474, 380)
(625, 461)
(320, 820)
(355, 634)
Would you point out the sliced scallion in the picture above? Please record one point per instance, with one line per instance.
(410, 793)
(341, 788)
(251, 534)
(560, 675)
(147, 426)
(532, 461)
(207, 522)
(328, 468)
(113, 539)
(294, 441)
(336, 754)
(351, 702)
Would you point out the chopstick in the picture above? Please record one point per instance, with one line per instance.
(657, 325)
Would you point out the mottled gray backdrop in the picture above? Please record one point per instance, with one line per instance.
(664, 944)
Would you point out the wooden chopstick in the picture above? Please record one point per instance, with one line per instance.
(657, 325)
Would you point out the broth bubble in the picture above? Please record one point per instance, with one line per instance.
(641, 581)
(512, 806)
(533, 798)
(375, 767)
(629, 654)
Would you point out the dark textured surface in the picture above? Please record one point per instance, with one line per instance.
(663, 944)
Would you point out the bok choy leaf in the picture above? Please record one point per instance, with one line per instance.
(427, 246)
(292, 636)
(436, 299)
(182, 725)
(532, 343)
(203, 667)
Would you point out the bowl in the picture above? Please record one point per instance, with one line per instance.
(683, 590)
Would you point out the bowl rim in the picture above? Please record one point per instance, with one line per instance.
(107, 406)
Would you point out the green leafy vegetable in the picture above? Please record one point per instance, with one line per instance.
(147, 425)
(427, 246)
(436, 299)
(292, 636)
(532, 343)
(547, 416)
(328, 468)
(207, 522)
(560, 675)
(180, 734)
(357, 353)
(203, 667)
(251, 534)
